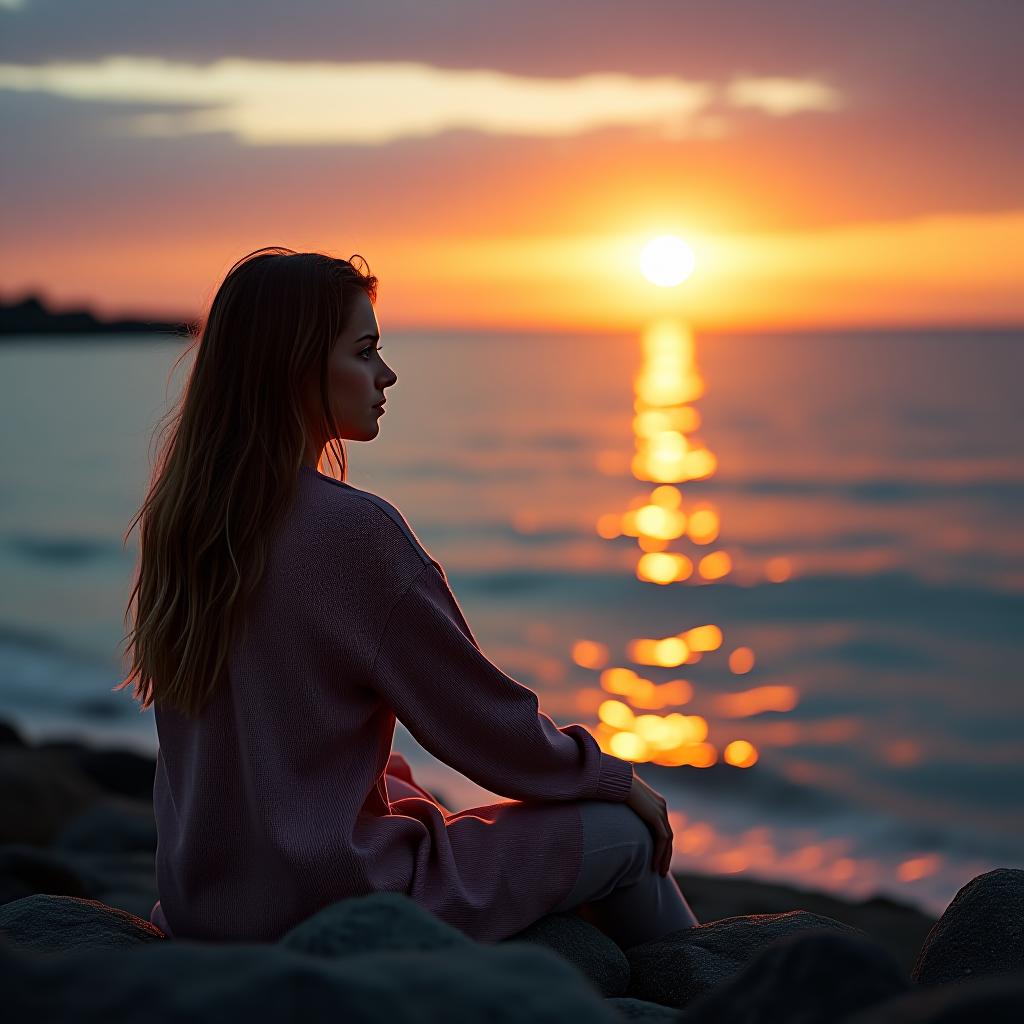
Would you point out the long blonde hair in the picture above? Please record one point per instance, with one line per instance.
(226, 475)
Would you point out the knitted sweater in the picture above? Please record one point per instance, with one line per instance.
(284, 796)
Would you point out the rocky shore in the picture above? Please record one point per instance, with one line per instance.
(77, 841)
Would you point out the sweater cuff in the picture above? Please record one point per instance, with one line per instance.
(615, 780)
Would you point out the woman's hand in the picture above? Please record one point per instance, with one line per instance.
(650, 806)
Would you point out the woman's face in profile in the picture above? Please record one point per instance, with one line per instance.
(356, 375)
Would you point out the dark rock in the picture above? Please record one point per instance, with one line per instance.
(208, 983)
(818, 977)
(678, 968)
(124, 827)
(379, 922)
(42, 791)
(61, 745)
(119, 771)
(992, 1000)
(587, 948)
(58, 924)
(10, 735)
(899, 927)
(123, 880)
(27, 870)
(981, 932)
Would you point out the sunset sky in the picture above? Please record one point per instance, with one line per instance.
(502, 164)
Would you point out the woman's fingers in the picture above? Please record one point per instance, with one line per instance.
(666, 863)
(653, 809)
(662, 849)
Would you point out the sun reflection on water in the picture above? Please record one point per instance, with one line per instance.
(642, 682)
(669, 530)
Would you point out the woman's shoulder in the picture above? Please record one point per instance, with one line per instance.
(344, 510)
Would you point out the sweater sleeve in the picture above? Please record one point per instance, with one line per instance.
(471, 715)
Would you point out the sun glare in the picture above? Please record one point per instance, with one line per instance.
(666, 261)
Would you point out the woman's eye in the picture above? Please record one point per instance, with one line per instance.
(370, 349)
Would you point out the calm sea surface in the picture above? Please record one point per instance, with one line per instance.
(868, 490)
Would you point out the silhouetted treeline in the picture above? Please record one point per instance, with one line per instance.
(30, 316)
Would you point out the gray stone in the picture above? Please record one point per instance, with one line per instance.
(208, 983)
(981, 932)
(809, 978)
(899, 927)
(10, 735)
(42, 791)
(998, 999)
(58, 924)
(379, 922)
(587, 948)
(116, 770)
(678, 968)
(110, 827)
(27, 870)
(126, 880)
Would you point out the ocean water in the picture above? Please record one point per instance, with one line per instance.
(867, 489)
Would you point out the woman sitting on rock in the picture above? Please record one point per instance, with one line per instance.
(285, 618)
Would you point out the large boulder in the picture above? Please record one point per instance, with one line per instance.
(377, 923)
(42, 791)
(981, 932)
(385, 921)
(587, 948)
(809, 978)
(10, 735)
(123, 772)
(27, 870)
(678, 968)
(58, 924)
(48, 784)
(208, 983)
(114, 826)
(997, 999)
(123, 880)
(898, 927)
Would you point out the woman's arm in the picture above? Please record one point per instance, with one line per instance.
(471, 715)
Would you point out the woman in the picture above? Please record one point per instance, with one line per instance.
(286, 618)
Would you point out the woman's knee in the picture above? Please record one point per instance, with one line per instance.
(615, 821)
(618, 851)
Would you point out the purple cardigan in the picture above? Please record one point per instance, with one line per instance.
(285, 797)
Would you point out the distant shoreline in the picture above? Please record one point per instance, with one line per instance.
(32, 317)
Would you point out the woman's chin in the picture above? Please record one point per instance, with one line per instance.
(365, 431)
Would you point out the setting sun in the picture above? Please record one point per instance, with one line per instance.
(666, 261)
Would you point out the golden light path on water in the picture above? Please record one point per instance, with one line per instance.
(678, 542)
(671, 533)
